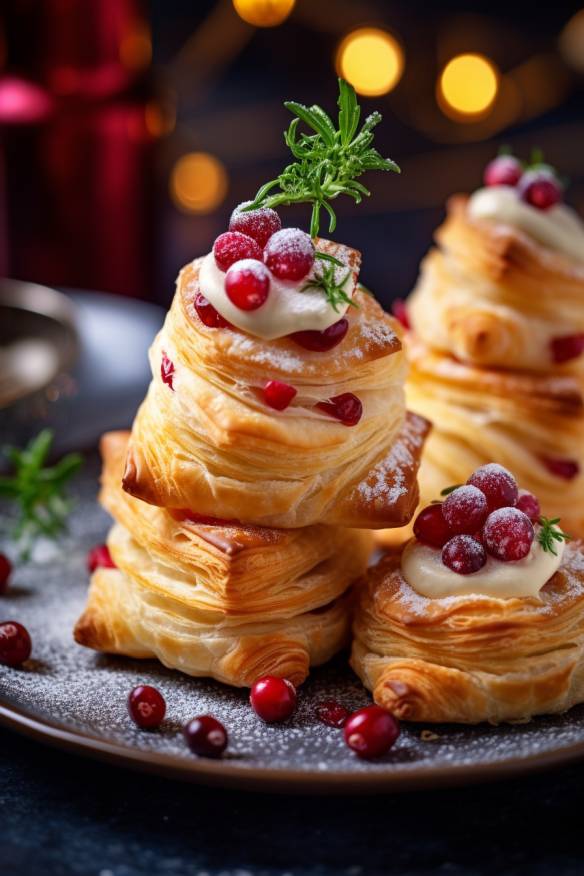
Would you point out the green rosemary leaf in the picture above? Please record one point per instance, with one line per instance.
(549, 533)
(447, 490)
(325, 257)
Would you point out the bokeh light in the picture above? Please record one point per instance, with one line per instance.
(198, 182)
(264, 13)
(572, 41)
(370, 59)
(468, 86)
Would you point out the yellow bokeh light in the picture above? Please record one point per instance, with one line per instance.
(370, 59)
(572, 41)
(198, 182)
(468, 86)
(264, 13)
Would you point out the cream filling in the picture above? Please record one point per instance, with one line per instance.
(424, 571)
(286, 310)
(560, 228)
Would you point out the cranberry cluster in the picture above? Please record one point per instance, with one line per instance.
(538, 186)
(488, 515)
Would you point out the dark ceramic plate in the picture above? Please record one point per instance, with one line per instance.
(73, 698)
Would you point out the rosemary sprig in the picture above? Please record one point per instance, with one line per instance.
(38, 490)
(328, 161)
(326, 280)
(447, 490)
(549, 533)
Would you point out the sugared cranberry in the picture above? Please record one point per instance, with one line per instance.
(540, 188)
(321, 342)
(207, 313)
(233, 246)
(567, 469)
(289, 254)
(146, 706)
(497, 484)
(259, 224)
(508, 534)
(430, 527)
(5, 572)
(278, 395)
(464, 555)
(15, 644)
(273, 699)
(167, 371)
(332, 713)
(465, 510)
(206, 736)
(99, 557)
(529, 504)
(247, 284)
(345, 407)
(400, 311)
(371, 731)
(505, 170)
(567, 347)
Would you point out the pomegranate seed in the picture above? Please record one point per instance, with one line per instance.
(247, 284)
(567, 347)
(289, 254)
(464, 555)
(508, 534)
(430, 526)
(167, 371)
(15, 644)
(529, 504)
(465, 510)
(5, 572)
(208, 315)
(540, 189)
(370, 732)
(258, 224)
(322, 342)
(562, 468)
(146, 706)
(273, 698)
(400, 311)
(278, 395)
(345, 407)
(332, 713)
(503, 171)
(233, 246)
(497, 484)
(206, 736)
(99, 557)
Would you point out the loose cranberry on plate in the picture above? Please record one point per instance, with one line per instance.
(529, 504)
(289, 254)
(505, 170)
(430, 527)
(233, 246)
(99, 557)
(371, 731)
(259, 224)
(5, 572)
(322, 342)
(345, 407)
(167, 371)
(146, 706)
(567, 347)
(508, 534)
(247, 284)
(273, 699)
(540, 188)
(206, 736)
(15, 643)
(278, 395)
(400, 311)
(332, 713)
(465, 510)
(464, 555)
(207, 313)
(497, 483)
(567, 469)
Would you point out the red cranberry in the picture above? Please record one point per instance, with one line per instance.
(497, 484)
(508, 534)
(146, 706)
(207, 313)
(321, 342)
(567, 469)
(247, 284)
(430, 526)
(259, 224)
(289, 254)
(505, 170)
(167, 371)
(332, 713)
(99, 557)
(465, 510)
(540, 188)
(233, 246)
(345, 407)
(529, 504)
(464, 555)
(273, 699)
(5, 572)
(567, 347)
(206, 736)
(371, 731)
(400, 311)
(278, 395)
(15, 644)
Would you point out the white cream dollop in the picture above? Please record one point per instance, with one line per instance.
(423, 569)
(286, 310)
(560, 228)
